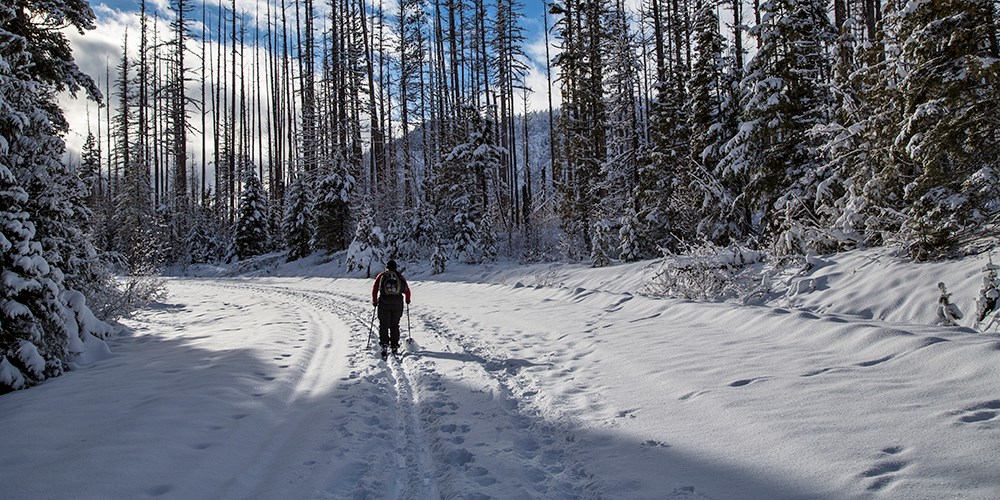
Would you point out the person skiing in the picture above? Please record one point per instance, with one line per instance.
(388, 294)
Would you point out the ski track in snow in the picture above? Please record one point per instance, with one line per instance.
(265, 388)
(432, 443)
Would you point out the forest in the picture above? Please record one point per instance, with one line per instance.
(793, 126)
(401, 129)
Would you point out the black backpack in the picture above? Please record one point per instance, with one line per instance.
(392, 283)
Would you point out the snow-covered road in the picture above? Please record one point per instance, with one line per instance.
(264, 388)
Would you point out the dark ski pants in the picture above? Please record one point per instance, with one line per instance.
(389, 314)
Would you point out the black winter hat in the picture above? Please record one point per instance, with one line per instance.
(391, 265)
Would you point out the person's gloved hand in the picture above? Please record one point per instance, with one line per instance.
(407, 301)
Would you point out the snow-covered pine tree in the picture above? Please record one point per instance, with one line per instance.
(439, 260)
(844, 140)
(412, 235)
(487, 241)
(601, 244)
(465, 243)
(772, 154)
(367, 248)
(206, 237)
(664, 199)
(39, 327)
(461, 184)
(33, 337)
(298, 220)
(250, 237)
(138, 237)
(710, 116)
(629, 250)
(57, 203)
(948, 313)
(950, 86)
(711, 120)
(332, 209)
(989, 294)
(654, 184)
(582, 119)
(625, 131)
(862, 200)
(90, 170)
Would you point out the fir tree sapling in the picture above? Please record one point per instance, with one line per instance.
(601, 244)
(298, 220)
(948, 314)
(332, 210)
(250, 238)
(466, 242)
(629, 249)
(986, 303)
(367, 248)
(439, 259)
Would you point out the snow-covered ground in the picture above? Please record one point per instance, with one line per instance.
(549, 381)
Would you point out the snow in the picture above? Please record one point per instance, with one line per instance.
(544, 381)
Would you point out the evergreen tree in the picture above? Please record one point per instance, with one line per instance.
(439, 259)
(950, 83)
(625, 135)
(90, 171)
(33, 338)
(367, 248)
(711, 120)
(460, 186)
(332, 210)
(862, 201)
(138, 238)
(41, 199)
(465, 244)
(989, 294)
(206, 237)
(250, 238)
(57, 203)
(583, 118)
(411, 236)
(773, 156)
(601, 246)
(629, 250)
(298, 220)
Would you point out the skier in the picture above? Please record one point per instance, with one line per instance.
(387, 294)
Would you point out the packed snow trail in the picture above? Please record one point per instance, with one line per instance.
(451, 437)
(264, 388)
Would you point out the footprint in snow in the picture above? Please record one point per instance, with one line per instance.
(747, 381)
(873, 362)
(652, 443)
(982, 412)
(692, 395)
(158, 491)
(882, 474)
(628, 413)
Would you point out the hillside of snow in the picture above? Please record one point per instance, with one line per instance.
(541, 381)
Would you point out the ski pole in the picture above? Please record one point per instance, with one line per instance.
(409, 333)
(370, 326)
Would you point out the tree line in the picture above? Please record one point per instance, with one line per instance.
(792, 125)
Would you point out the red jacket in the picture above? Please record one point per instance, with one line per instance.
(378, 285)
